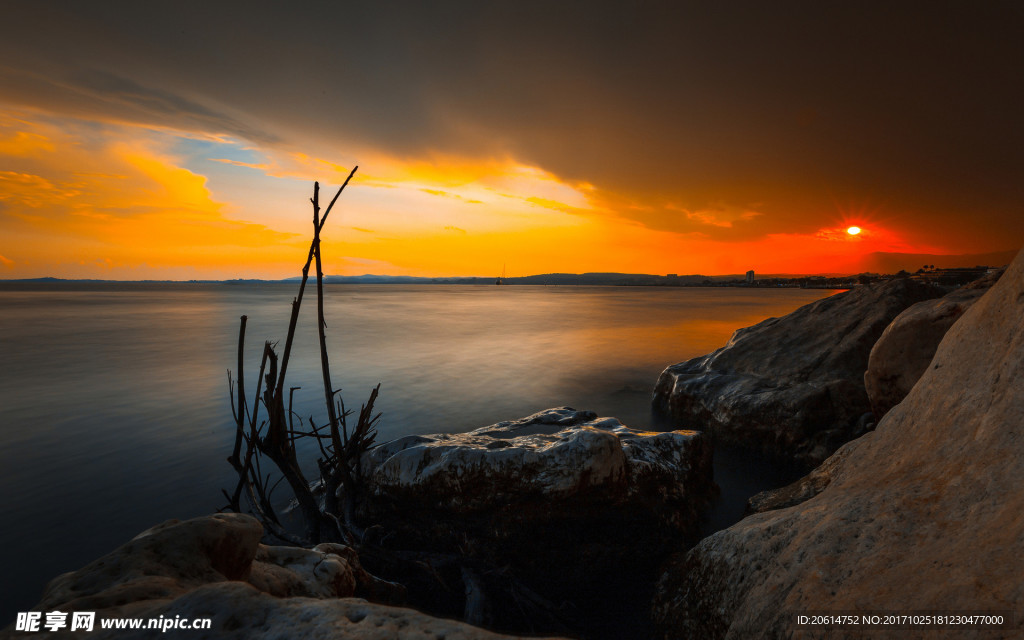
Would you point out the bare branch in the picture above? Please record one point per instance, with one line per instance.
(323, 220)
(240, 415)
(340, 451)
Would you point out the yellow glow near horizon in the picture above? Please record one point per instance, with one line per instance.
(139, 203)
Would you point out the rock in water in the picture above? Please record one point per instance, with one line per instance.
(792, 387)
(923, 514)
(579, 508)
(906, 347)
(215, 567)
(558, 455)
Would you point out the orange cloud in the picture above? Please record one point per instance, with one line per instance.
(413, 196)
(720, 215)
(129, 203)
(115, 201)
(24, 143)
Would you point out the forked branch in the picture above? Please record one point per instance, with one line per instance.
(276, 437)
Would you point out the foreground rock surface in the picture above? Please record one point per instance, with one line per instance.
(557, 454)
(792, 387)
(579, 508)
(923, 514)
(906, 347)
(215, 567)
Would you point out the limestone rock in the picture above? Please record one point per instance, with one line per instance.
(552, 455)
(578, 508)
(552, 461)
(215, 567)
(907, 346)
(173, 557)
(792, 387)
(923, 514)
(162, 562)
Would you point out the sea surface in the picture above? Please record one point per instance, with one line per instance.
(114, 411)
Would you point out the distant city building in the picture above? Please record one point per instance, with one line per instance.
(750, 277)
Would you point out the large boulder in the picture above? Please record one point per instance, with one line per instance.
(922, 515)
(557, 456)
(906, 347)
(215, 567)
(791, 387)
(579, 509)
(175, 557)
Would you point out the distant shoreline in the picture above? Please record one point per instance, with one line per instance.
(950, 277)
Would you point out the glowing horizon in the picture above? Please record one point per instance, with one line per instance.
(164, 204)
(125, 154)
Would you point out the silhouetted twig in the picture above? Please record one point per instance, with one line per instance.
(339, 461)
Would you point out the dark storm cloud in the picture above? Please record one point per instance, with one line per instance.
(97, 93)
(785, 108)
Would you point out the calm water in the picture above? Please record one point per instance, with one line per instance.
(114, 413)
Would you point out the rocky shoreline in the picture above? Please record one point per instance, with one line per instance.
(923, 514)
(902, 401)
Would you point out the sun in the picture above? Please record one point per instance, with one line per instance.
(853, 231)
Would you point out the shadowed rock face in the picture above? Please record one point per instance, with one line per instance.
(923, 514)
(580, 508)
(803, 489)
(906, 347)
(215, 567)
(792, 387)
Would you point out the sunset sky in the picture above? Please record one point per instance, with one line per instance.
(180, 140)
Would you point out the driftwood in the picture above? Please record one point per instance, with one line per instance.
(447, 584)
(275, 437)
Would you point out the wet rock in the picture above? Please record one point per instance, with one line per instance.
(576, 507)
(907, 346)
(792, 387)
(555, 455)
(548, 462)
(922, 514)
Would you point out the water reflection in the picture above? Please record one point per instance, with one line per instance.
(115, 410)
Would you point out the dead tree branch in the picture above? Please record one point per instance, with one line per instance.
(276, 437)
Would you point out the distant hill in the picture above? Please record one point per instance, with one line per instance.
(876, 263)
(593, 279)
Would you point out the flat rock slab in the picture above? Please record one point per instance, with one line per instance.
(554, 455)
(577, 507)
(922, 515)
(791, 387)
